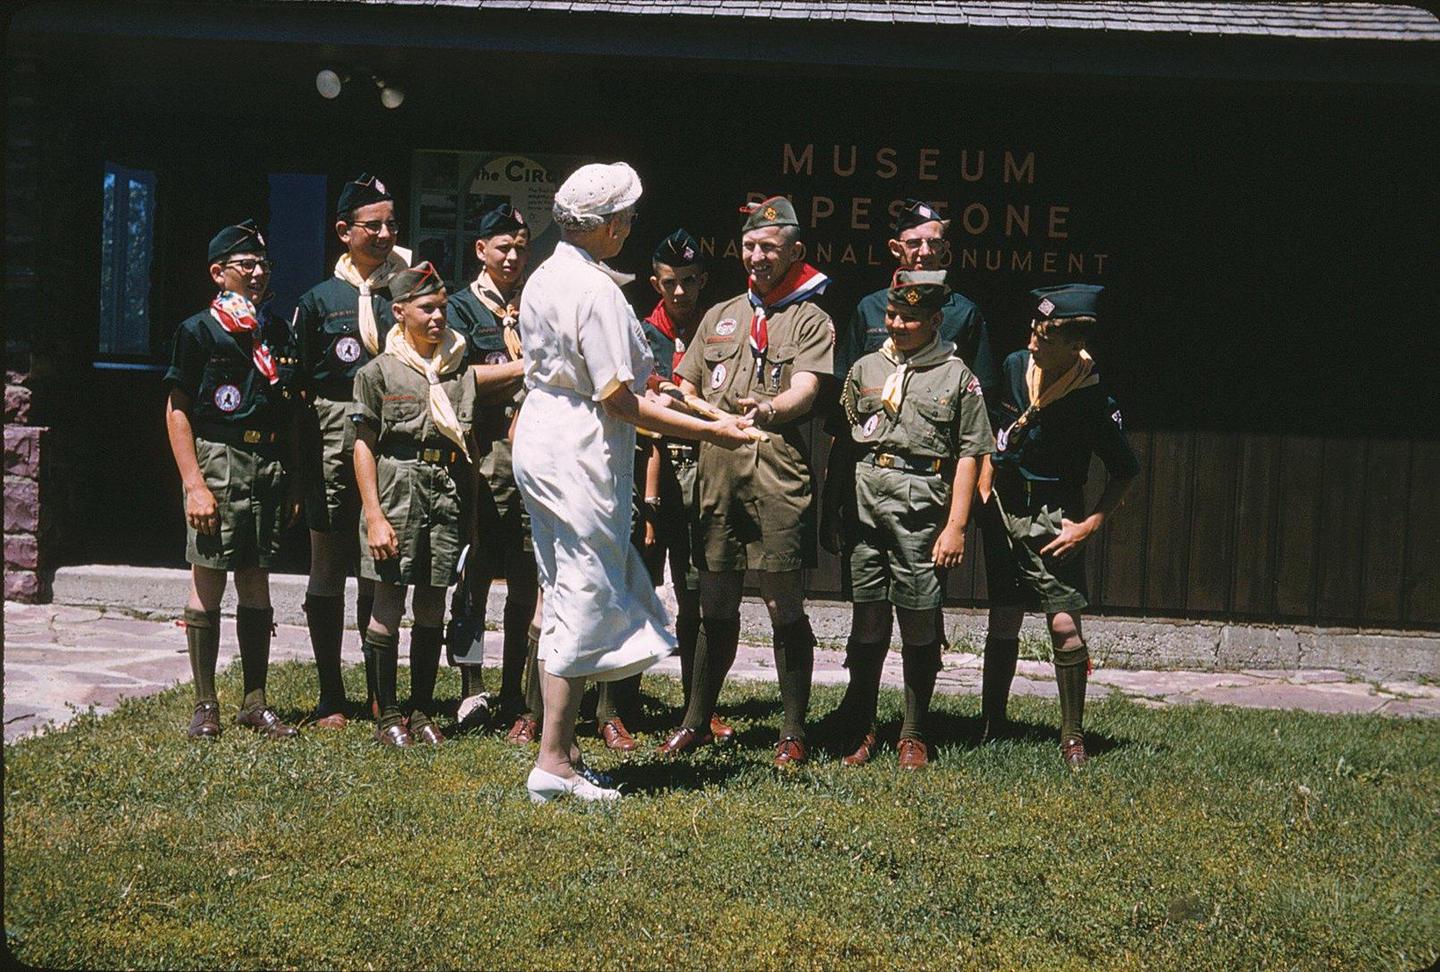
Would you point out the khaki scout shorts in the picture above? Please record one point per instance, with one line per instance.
(675, 533)
(757, 510)
(1015, 572)
(250, 491)
(422, 502)
(502, 524)
(332, 501)
(899, 515)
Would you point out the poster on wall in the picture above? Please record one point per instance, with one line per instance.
(454, 189)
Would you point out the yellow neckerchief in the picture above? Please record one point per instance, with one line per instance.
(449, 355)
(1077, 376)
(893, 392)
(486, 291)
(397, 260)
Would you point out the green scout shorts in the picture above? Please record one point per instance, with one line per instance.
(250, 490)
(899, 515)
(331, 502)
(675, 532)
(422, 502)
(1013, 531)
(502, 525)
(757, 509)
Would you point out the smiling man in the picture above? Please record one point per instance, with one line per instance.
(764, 353)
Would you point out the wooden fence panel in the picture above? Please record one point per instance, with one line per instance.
(1167, 540)
(1123, 579)
(1386, 503)
(1301, 469)
(1212, 523)
(1341, 535)
(1255, 511)
(1422, 553)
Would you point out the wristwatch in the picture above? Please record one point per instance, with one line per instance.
(765, 414)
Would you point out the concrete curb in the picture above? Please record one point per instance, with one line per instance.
(1143, 643)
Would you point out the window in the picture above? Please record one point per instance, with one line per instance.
(127, 238)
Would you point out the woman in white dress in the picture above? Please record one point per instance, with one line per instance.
(586, 363)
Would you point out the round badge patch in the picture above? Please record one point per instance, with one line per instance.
(717, 377)
(726, 327)
(496, 357)
(347, 349)
(871, 424)
(227, 398)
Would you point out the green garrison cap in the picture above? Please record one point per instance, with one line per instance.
(361, 192)
(1067, 300)
(913, 212)
(775, 211)
(679, 249)
(417, 281)
(919, 290)
(241, 238)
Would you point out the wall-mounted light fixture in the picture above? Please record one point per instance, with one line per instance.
(330, 82)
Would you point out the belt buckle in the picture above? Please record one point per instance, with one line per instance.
(935, 465)
(885, 461)
(430, 455)
(251, 436)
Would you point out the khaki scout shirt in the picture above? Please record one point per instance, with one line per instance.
(942, 414)
(723, 369)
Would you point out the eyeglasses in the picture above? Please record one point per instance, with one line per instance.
(372, 226)
(938, 244)
(251, 264)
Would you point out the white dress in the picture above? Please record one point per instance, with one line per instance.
(575, 467)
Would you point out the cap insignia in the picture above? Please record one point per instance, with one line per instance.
(912, 297)
(1046, 306)
(770, 212)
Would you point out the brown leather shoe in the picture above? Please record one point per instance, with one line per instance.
(723, 733)
(617, 737)
(525, 730)
(205, 723)
(683, 740)
(1072, 751)
(428, 734)
(789, 752)
(862, 752)
(397, 736)
(264, 721)
(327, 718)
(914, 754)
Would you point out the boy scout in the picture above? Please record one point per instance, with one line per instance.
(340, 325)
(229, 418)
(412, 410)
(487, 313)
(764, 353)
(918, 423)
(1057, 414)
(918, 244)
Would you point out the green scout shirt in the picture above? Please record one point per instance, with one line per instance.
(482, 331)
(394, 399)
(1055, 446)
(327, 331)
(942, 414)
(723, 369)
(216, 369)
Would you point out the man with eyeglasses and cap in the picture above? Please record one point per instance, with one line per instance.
(763, 353)
(230, 421)
(339, 326)
(487, 312)
(918, 244)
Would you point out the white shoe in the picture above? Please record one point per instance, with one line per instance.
(474, 710)
(545, 787)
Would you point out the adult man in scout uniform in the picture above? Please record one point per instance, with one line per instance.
(1056, 415)
(230, 420)
(413, 407)
(917, 420)
(763, 353)
(919, 244)
(340, 325)
(487, 312)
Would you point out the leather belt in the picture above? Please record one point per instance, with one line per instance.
(891, 460)
(682, 453)
(440, 455)
(234, 435)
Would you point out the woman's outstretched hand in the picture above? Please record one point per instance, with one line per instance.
(729, 432)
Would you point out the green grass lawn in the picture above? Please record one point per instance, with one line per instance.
(1198, 838)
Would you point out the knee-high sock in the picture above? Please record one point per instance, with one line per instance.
(472, 680)
(382, 656)
(617, 700)
(999, 672)
(202, 638)
(534, 698)
(794, 666)
(865, 662)
(364, 607)
(1071, 674)
(687, 632)
(253, 627)
(922, 664)
(714, 654)
(325, 617)
(515, 655)
(425, 643)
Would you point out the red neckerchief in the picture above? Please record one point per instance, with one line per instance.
(663, 322)
(237, 316)
(801, 282)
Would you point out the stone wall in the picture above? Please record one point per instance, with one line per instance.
(28, 530)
